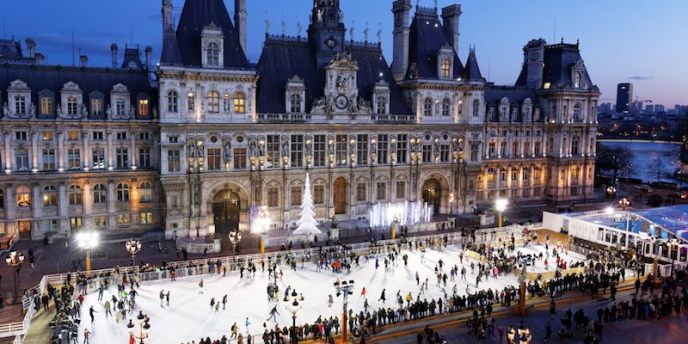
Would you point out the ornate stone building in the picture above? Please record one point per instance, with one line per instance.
(87, 149)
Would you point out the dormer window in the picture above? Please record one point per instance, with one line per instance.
(295, 103)
(20, 105)
(446, 68)
(46, 105)
(295, 95)
(577, 80)
(96, 105)
(72, 105)
(213, 55)
(120, 107)
(381, 103)
(143, 108)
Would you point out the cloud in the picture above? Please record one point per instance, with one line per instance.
(640, 78)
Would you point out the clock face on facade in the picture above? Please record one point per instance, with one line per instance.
(341, 102)
(331, 42)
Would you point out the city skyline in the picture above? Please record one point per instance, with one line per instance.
(499, 54)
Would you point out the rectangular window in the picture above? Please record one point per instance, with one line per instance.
(98, 155)
(401, 190)
(47, 135)
(144, 158)
(491, 150)
(538, 149)
(20, 104)
(20, 136)
(22, 159)
(361, 192)
(173, 163)
(381, 191)
(123, 219)
(97, 106)
(191, 102)
(146, 218)
(173, 139)
(101, 222)
(73, 135)
(444, 153)
(296, 194)
(143, 107)
(427, 153)
(226, 103)
(474, 152)
(297, 151)
(120, 107)
(273, 156)
(362, 149)
(75, 223)
(382, 149)
(341, 146)
(144, 136)
(72, 105)
(97, 136)
(239, 158)
(402, 148)
(73, 158)
(46, 105)
(122, 158)
(121, 136)
(319, 194)
(319, 150)
(273, 197)
(214, 159)
(48, 159)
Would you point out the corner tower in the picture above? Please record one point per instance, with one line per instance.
(326, 30)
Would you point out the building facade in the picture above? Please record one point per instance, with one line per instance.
(624, 97)
(228, 137)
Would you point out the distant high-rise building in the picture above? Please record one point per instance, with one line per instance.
(649, 108)
(624, 97)
(605, 107)
(659, 108)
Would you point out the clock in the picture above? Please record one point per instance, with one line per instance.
(341, 102)
(331, 42)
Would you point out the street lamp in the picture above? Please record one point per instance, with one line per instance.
(293, 308)
(87, 241)
(624, 203)
(234, 238)
(344, 289)
(611, 191)
(15, 259)
(500, 206)
(144, 326)
(133, 247)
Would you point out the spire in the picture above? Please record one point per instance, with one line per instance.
(327, 12)
(472, 70)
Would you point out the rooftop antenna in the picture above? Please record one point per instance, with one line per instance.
(267, 24)
(298, 26)
(284, 26)
(379, 33)
(365, 33)
(73, 61)
(352, 30)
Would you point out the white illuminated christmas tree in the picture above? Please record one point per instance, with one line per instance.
(307, 223)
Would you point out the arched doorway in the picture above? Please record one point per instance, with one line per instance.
(226, 210)
(339, 196)
(432, 194)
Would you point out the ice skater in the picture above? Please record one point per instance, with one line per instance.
(273, 314)
(162, 296)
(330, 301)
(382, 296)
(200, 286)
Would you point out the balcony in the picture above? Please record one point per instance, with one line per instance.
(284, 118)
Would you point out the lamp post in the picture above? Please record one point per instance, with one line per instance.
(624, 203)
(344, 289)
(500, 206)
(234, 238)
(293, 307)
(87, 241)
(144, 326)
(133, 247)
(14, 260)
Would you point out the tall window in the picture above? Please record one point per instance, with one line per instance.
(381, 191)
(46, 105)
(20, 104)
(525, 176)
(444, 153)
(427, 107)
(382, 149)
(296, 151)
(402, 148)
(213, 102)
(144, 157)
(72, 105)
(362, 149)
(319, 150)
(226, 103)
(99, 194)
(361, 190)
(173, 163)
(98, 155)
(341, 150)
(296, 196)
(319, 194)
(122, 157)
(575, 146)
(145, 192)
(191, 102)
(427, 153)
(381, 102)
(401, 189)
(476, 108)
(96, 105)
(273, 197)
(74, 195)
(273, 154)
(577, 80)
(240, 102)
(73, 158)
(123, 192)
(76, 222)
(214, 159)
(239, 158)
(575, 175)
(48, 159)
(446, 107)
(49, 196)
(172, 105)
(295, 103)
(143, 107)
(120, 107)
(577, 113)
(23, 197)
(213, 55)
(474, 151)
(446, 68)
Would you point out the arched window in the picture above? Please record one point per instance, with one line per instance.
(575, 146)
(145, 192)
(23, 197)
(49, 196)
(213, 102)
(476, 108)
(74, 195)
(295, 103)
(99, 194)
(577, 80)
(239, 102)
(172, 105)
(427, 107)
(123, 192)
(445, 107)
(213, 55)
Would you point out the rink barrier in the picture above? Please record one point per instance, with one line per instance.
(198, 267)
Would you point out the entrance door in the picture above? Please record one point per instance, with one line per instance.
(226, 208)
(24, 229)
(432, 195)
(339, 196)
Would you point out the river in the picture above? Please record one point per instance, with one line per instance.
(649, 158)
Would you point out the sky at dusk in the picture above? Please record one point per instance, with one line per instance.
(640, 41)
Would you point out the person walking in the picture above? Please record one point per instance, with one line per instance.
(382, 296)
(273, 314)
(87, 335)
(162, 296)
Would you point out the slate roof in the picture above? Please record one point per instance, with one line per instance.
(53, 78)
(559, 58)
(426, 37)
(515, 95)
(10, 49)
(283, 58)
(170, 50)
(472, 72)
(197, 14)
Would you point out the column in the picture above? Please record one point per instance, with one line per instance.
(34, 151)
(37, 204)
(87, 199)
(85, 155)
(8, 151)
(111, 202)
(11, 202)
(132, 148)
(110, 150)
(60, 151)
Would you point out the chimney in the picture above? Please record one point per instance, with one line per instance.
(167, 20)
(240, 21)
(39, 58)
(83, 61)
(450, 21)
(149, 52)
(31, 45)
(534, 61)
(113, 50)
(402, 11)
